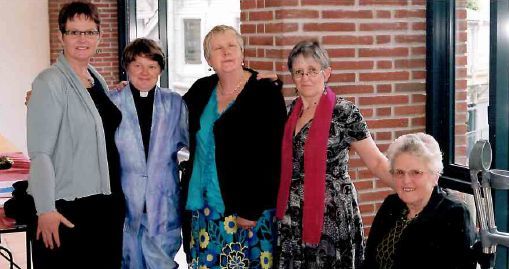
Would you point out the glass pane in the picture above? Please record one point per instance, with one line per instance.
(187, 24)
(192, 42)
(472, 75)
(147, 20)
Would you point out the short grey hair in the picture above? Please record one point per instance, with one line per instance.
(220, 29)
(421, 145)
(309, 48)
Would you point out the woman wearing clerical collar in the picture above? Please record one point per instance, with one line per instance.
(152, 131)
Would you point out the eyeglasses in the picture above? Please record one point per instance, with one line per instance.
(87, 34)
(298, 74)
(413, 174)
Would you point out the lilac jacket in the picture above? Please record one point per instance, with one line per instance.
(153, 182)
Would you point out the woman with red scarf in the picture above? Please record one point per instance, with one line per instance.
(320, 224)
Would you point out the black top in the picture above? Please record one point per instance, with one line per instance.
(144, 108)
(439, 237)
(111, 118)
(248, 143)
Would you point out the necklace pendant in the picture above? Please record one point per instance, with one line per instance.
(91, 82)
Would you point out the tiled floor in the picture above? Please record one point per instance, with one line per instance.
(15, 242)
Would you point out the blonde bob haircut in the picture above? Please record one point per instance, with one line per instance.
(220, 29)
(420, 145)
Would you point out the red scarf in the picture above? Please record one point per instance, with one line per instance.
(315, 161)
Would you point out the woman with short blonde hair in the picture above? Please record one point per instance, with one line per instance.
(235, 127)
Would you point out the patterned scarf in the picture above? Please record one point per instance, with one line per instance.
(315, 161)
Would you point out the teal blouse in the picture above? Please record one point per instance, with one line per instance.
(204, 184)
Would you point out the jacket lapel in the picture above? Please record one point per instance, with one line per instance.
(157, 110)
(134, 124)
(80, 91)
(71, 76)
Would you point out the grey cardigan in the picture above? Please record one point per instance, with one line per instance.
(65, 138)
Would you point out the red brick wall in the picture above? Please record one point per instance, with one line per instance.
(377, 49)
(106, 61)
(460, 127)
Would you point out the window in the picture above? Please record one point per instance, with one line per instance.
(142, 18)
(467, 90)
(179, 26)
(472, 55)
(192, 38)
(147, 19)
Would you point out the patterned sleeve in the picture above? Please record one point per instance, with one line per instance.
(349, 115)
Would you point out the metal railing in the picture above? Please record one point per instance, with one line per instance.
(483, 179)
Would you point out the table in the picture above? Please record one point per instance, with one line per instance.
(19, 171)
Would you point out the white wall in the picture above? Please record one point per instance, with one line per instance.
(24, 52)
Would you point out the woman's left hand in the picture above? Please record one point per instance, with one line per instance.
(245, 223)
(271, 76)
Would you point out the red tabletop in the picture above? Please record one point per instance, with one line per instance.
(19, 169)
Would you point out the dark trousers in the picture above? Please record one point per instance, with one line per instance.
(94, 242)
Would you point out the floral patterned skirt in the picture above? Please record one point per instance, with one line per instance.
(217, 242)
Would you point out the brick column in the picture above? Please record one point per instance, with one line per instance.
(106, 61)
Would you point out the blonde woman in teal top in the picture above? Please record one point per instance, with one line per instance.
(235, 128)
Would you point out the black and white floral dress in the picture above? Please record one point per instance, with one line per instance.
(342, 240)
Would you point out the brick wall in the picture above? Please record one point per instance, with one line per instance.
(460, 127)
(106, 61)
(377, 49)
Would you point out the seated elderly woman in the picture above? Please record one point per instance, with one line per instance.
(421, 226)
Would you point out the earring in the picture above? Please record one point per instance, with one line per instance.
(242, 63)
(97, 51)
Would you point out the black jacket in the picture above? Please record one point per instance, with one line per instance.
(439, 237)
(248, 143)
